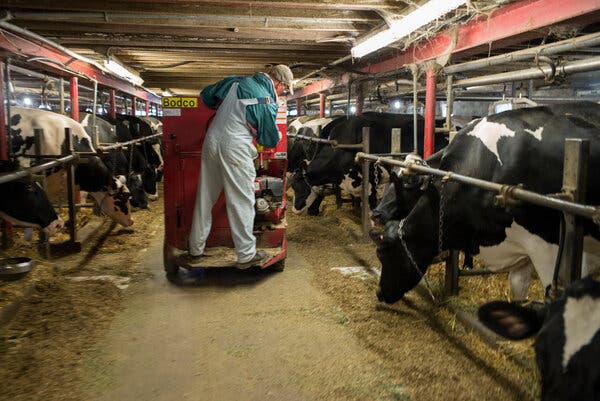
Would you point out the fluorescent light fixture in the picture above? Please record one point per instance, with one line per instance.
(398, 29)
(167, 92)
(123, 72)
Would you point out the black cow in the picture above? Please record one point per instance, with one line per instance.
(118, 160)
(567, 345)
(523, 146)
(142, 157)
(91, 174)
(24, 203)
(300, 154)
(337, 166)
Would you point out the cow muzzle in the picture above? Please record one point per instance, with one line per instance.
(54, 227)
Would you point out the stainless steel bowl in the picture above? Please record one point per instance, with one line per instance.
(14, 268)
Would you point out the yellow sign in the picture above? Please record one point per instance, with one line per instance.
(180, 102)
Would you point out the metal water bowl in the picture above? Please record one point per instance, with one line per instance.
(15, 268)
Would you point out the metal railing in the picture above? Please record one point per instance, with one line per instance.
(574, 190)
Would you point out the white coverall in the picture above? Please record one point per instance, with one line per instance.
(227, 163)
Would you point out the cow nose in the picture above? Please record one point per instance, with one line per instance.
(379, 295)
(130, 222)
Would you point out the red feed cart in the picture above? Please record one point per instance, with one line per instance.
(185, 121)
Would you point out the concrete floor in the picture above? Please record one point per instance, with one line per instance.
(230, 335)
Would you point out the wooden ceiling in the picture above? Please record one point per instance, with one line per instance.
(185, 45)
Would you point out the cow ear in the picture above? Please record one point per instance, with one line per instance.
(376, 236)
(510, 320)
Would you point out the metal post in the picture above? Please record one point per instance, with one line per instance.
(5, 226)
(396, 141)
(449, 102)
(133, 105)
(94, 110)
(451, 277)
(575, 172)
(298, 107)
(70, 187)
(112, 101)
(415, 72)
(429, 112)
(3, 131)
(7, 136)
(321, 105)
(366, 131)
(147, 108)
(44, 246)
(74, 98)
(360, 99)
(61, 90)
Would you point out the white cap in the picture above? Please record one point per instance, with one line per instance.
(282, 73)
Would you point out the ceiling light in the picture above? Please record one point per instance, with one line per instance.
(167, 92)
(398, 29)
(123, 72)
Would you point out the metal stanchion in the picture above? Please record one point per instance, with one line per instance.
(366, 224)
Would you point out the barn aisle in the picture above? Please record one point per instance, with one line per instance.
(232, 335)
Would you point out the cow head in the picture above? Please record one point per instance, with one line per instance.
(136, 188)
(149, 179)
(407, 246)
(111, 194)
(567, 345)
(402, 194)
(305, 197)
(28, 206)
(114, 202)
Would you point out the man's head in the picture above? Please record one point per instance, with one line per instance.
(282, 78)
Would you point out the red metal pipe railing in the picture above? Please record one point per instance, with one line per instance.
(74, 88)
(321, 105)
(429, 112)
(112, 101)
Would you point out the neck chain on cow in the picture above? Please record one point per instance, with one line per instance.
(442, 207)
(412, 259)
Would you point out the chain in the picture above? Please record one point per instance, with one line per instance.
(441, 213)
(411, 258)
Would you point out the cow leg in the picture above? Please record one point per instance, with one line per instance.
(519, 281)
(338, 196)
(313, 209)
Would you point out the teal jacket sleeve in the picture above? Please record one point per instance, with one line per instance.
(213, 95)
(261, 116)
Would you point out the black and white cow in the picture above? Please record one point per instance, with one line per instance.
(300, 154)
(137, 158)
(24, 203)
(523, 146)
(337, 166)
(567, 345)
(91, 175)
(118, 160)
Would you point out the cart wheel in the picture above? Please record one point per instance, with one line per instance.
(171, 268)
(278, 266)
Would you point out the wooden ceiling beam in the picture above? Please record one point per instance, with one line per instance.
(113, 32)
(199, 24)
(165, 6)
